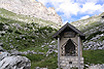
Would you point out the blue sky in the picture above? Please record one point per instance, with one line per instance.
(73, 10)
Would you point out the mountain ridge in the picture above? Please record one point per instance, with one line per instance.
(93, 28)
(31, 37)
(31, 8)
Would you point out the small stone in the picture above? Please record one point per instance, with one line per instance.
(11, 46)
(1, 44)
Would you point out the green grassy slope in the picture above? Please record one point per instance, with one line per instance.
(93, 56)
(23, 36)
(25, 33)
(29, 37)
(5, 14)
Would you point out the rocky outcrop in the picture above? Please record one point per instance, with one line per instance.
(84, 23)
(31, 8)
(93, 66)
(8, 61)
(93, 28)
(94, 37)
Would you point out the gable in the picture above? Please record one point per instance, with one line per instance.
(68, 27)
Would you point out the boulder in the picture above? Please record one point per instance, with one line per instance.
(15, 62)
(12, 61)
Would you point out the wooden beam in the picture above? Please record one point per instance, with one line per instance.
(79, 66)
(58, 53)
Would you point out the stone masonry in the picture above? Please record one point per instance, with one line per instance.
(68, 62)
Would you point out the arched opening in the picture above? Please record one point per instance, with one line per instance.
(70, 48)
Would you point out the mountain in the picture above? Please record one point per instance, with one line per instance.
(93, 28)
(31, 8)
(27, 38)
(31, 35)
(93, 45)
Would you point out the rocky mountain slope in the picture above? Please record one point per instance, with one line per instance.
(21, 34)
(93, 28)
(31, 8)
(93, 46)
(8, 17)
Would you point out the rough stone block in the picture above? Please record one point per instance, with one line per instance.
(71, 59)
(63, 65)
(71, 65)
(75, 62)
(67, 65)
(82, 66)
(66, 58)
(82, 61)
(82, 58)
(62, 58)
(76, 59)
(67, 62)
(63, 61)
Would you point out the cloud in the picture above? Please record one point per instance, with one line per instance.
(43, 1)
(68, 7)
(75, 7)
(85, 17)
(90, 8)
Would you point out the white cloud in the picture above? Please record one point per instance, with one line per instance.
(85, 17)
(68, 7)
(90, 8)
(102, 8)
(43, 1)
(75, 7)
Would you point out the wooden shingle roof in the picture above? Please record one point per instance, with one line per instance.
(71, 27)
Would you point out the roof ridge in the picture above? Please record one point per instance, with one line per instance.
(70, 26)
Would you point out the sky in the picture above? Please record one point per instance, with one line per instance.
(73, 10)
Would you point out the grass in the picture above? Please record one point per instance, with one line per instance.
(10, 21)
(42, 61)
(90, 57)
(91, 26)
(23, 38)
(32, 36)
(93, 56)
(10, 17)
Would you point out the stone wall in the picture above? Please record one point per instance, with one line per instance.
(68, 62)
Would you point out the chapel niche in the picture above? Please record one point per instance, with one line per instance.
(70, 48)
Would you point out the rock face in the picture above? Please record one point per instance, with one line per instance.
(98, 66)
(31, 8)
(93, 28)
(13, 62)
(84, 23)
(95, 37)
